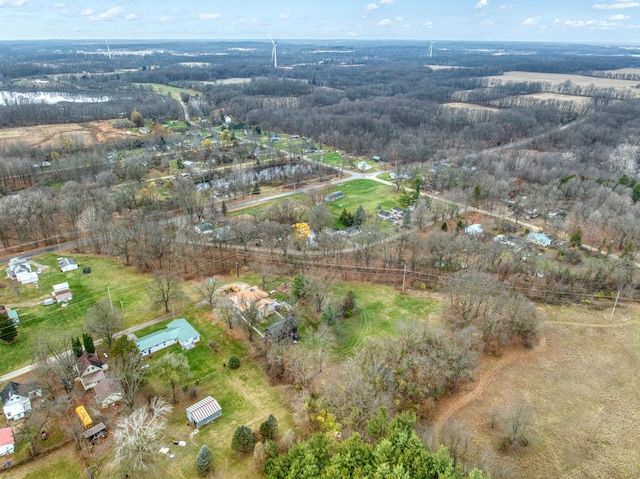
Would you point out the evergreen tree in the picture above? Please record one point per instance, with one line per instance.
(204, 460)
(256, 188)
(360, 217)
(269, 428)
(243, 440)
(346, 218)
(300, 286)
(234, 362)
(76, 347)
(406, 219)
(348, 304)
(88, 343)
(444, 227)
(8, 331)
(223, 208)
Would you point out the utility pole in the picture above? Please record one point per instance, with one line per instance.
(404, 277)
(614, 306)
(110, 302)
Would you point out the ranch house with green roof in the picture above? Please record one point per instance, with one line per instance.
(177, 331)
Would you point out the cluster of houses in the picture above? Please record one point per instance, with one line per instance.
(394, 215)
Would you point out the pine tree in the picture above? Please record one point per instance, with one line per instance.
(269, 428)
(406, 219)
(359, 217)
(299, 286)
(243, 440)
(88, 343)
(204, 460)
(223, 208)
(76, 347)
(8, 331)
(256, 188)
(346, 218)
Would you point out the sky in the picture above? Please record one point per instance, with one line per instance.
(575, 21)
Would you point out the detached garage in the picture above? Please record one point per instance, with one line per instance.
(7, 443)
(203, 412)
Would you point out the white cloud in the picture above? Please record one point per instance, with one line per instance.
(284, 16)
(86, 11)
(371, 6)
(487, 22)
(579, 23)
(556, 21)
(387, 2)
(167, 19)
(504, 6)
(250, 21)
(209, 16)
(398, 19)
(131, 16)
(12, 3)
(531, 21)
(482, 3)
(109, 14)
(59, 5)
(384, 22)
(407, 25)
(615, 6)
(618, 17)
(428, 24)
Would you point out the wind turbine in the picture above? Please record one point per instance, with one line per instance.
(430, 52)
(108, 50)
(274, 56)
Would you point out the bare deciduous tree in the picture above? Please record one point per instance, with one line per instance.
(136, 436)
(56, 361)
(207, 288)
(104, 321)
(164, 290)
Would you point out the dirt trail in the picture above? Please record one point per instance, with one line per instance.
(485, 378)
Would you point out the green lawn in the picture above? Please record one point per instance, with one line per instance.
(367, 193)
(128, 290)
(169, 90)
(381, 312)
(244, 395)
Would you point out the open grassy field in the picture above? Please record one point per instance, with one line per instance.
(582, 386)
(367, 193)
(470, 106)
(61, 464)
(52, 135)
(128, 290)
(382, 312)
(556, 78)
(173, 91)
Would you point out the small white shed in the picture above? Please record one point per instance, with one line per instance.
(203, 412)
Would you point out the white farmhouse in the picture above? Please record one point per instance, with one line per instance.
(16, 399)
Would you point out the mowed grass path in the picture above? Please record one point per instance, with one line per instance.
(128, 290)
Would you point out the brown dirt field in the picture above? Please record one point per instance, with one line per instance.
(470, 106)
(581, 384)
(51, 135)
(556, 78)
(559, 97)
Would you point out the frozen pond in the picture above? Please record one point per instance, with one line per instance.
(47, 97)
